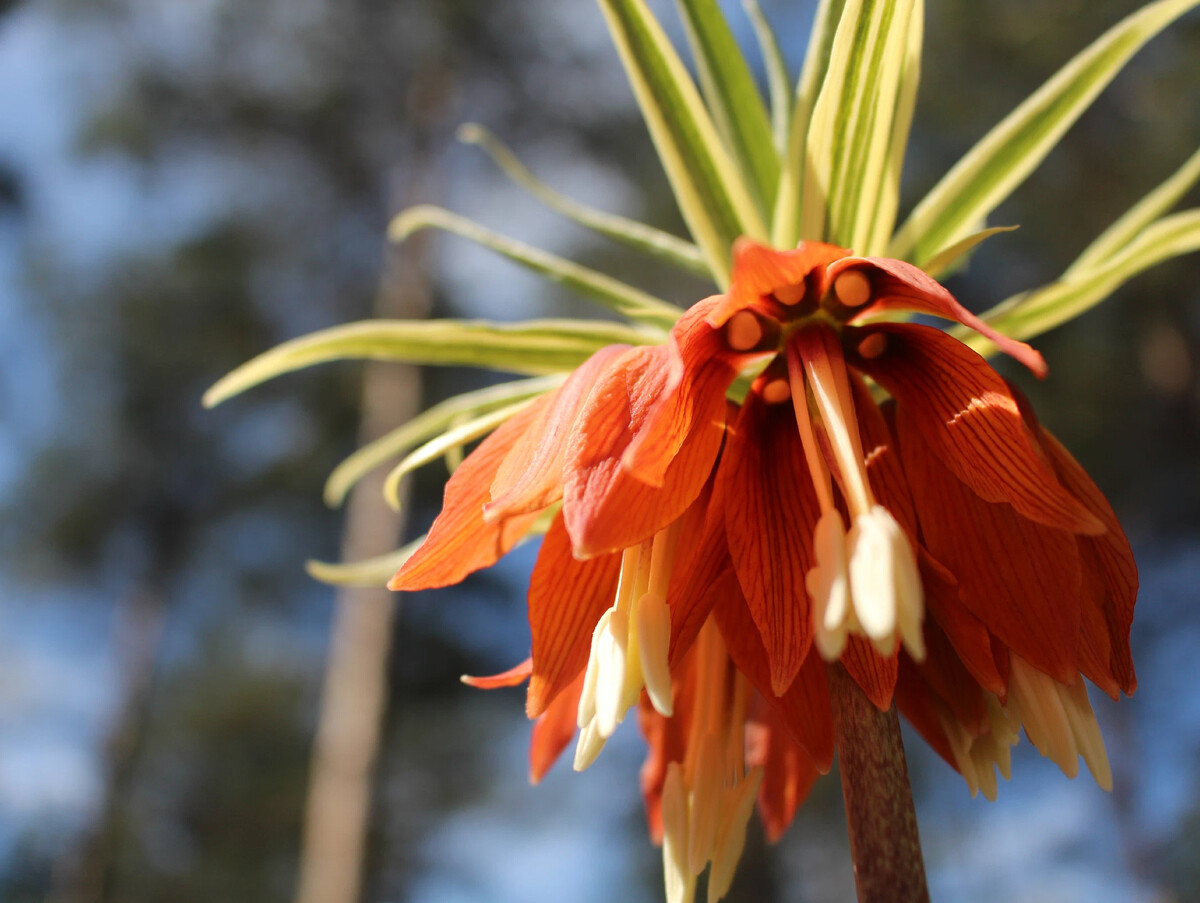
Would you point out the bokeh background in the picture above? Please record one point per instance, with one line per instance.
(184, 184)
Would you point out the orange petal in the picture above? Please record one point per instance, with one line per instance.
(971, 640)
(1021, 579)
(882, 457)
(530, 477)
(771, 511)
(1111, 584)
(873, 672)
(606, 508)
(666, 739)
(554, 730)
(919, 705)
(896, 285)
(460, 542)
(760, 270)
(700, 368)
(804, 708)
(566, 599)
(972, 422)
(701, 564)
(514, 676)
(948, 677)
(788, 773)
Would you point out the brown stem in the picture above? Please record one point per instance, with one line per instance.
(884, 845)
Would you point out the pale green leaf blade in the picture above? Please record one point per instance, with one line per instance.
(626, 300)
(852, 122)
(732, 94)
(1032, 313)
(648, 240)
(437, 447)
(427, 424)
(712, 195)
(1000, 162)
(534, 347)
(779, 83)
(786, 226)
(945, 260)
(906, 102)
(1117, 236)
(370, 573)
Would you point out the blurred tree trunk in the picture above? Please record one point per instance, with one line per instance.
(355, 691)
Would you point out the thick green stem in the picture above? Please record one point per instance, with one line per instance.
(884, 845)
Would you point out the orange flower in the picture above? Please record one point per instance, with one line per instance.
(944, 548)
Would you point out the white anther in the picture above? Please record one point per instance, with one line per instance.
(885, 585)
(829, 586)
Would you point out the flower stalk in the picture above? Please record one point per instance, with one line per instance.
(884, 844)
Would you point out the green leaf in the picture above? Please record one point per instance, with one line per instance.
(779, 83)
(653, 242)
(715, 202)
(852, 122)
(906, 102)
(785, 227)
(427, 424)
(945, 260)
(1117, 236)
(370, 573)
(436, 447)
(1032, 313)
(732, 94)
(992, 169)
(626, 300)
(534, 347)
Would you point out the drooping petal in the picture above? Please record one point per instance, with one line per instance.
(460, 542)
(530, 477)
(1020, 578)
(771, 512)
(875, 673)
(917, 702)
(566, 599)
(788, 772)
(972, 422)
(770, 281)
(896, 285)
(972, 642)
(947, 676)
(804, 708)
(884, 468)
(701, 566)
(700, 366)
(1111, 586)
(553, 730)
(605, 507)
(513, 677)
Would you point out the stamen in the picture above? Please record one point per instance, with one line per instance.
(630, 646)
(885, 583)
(1059, 720)
(829, 586)
(680, 882)
(852, 288)
(873, 345)
(743, 331)
(776, 391)
(791, 295)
